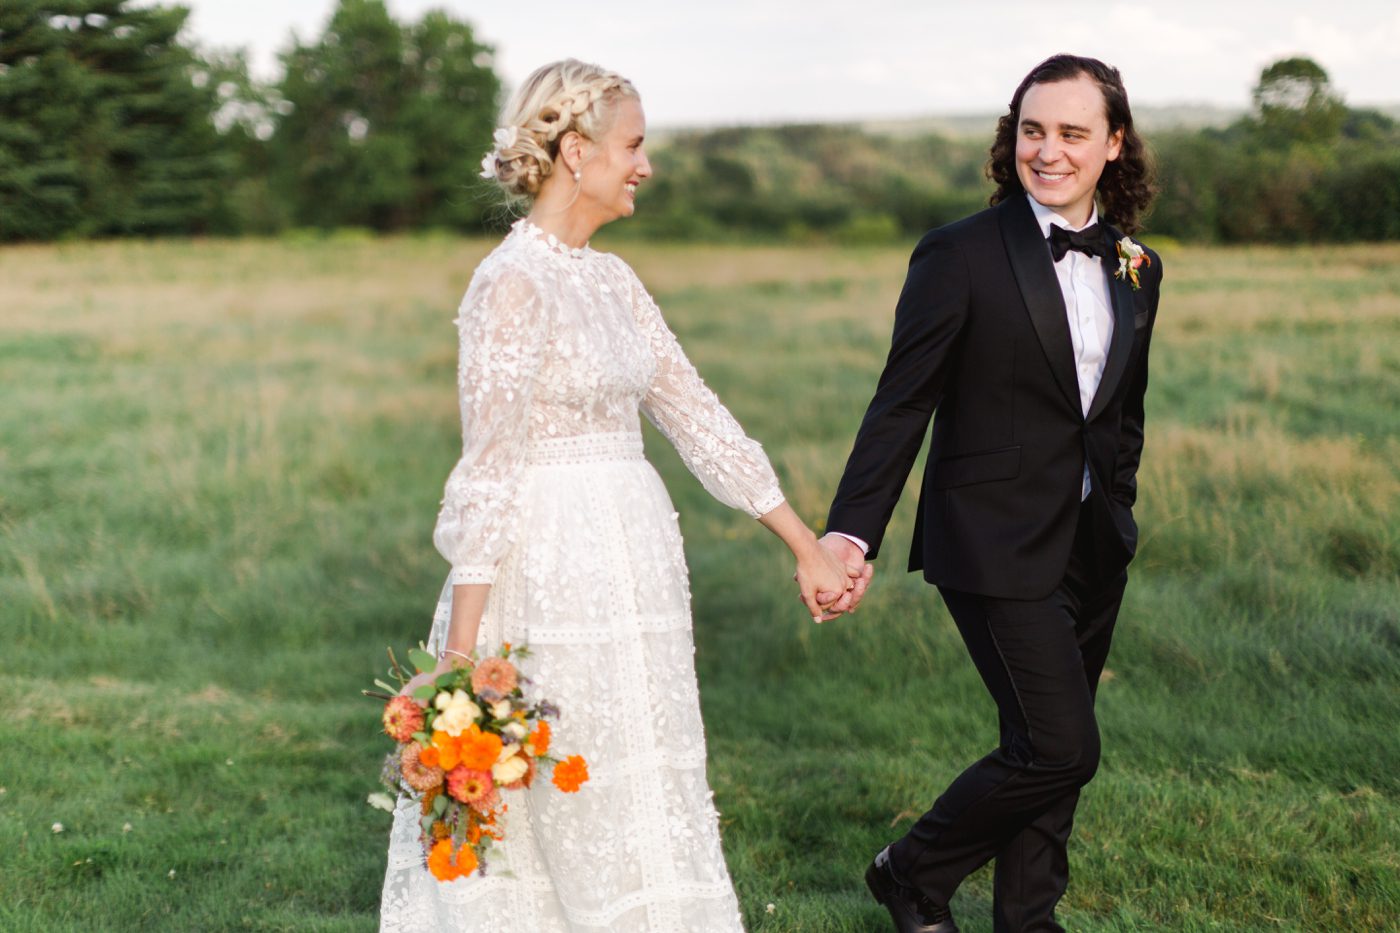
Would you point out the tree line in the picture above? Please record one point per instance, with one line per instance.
(111, 124)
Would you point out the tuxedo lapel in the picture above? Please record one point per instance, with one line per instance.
(1040, 290)
(1121, 346)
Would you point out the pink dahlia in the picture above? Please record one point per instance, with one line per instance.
(494, 676)
(469, 785)
(488, 803)
(402, 718)
(416, 774)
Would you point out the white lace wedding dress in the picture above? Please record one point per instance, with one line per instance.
(553, 504)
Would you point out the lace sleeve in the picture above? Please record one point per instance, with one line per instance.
(729, 464)
(503, 329)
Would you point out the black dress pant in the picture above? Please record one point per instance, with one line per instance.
(1041, 661)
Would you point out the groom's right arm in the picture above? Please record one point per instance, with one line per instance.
(928, 320)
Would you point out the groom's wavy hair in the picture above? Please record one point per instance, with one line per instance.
(1128, 184)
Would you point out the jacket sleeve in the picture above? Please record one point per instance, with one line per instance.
(928, 322)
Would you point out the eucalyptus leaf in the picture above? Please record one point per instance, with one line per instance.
(440, 804)
(385, 687)
(425, 692)
(421, 660)
(426, 823)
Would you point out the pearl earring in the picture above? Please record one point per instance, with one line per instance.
(578, 175)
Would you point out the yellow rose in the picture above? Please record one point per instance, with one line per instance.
(509, 770)
(457, 713)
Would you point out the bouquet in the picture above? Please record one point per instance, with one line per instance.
(464, 738)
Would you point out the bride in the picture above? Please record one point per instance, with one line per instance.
(561, 536)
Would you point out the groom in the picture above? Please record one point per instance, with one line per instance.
(1022, 332)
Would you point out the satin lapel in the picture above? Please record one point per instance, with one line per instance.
(1121, 346)
(1040, 290)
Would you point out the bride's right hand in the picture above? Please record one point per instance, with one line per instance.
(426, 677)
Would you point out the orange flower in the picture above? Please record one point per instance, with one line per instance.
(428, 757)
(466, 860)
(449, 750)
(402, 718)
(468, 785)
(415, 774)
(429, 796)
(476, 749)
(446, 868)
(539, 739)
(570, 774)
(494, 676)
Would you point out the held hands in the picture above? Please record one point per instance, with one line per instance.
(858, 575)
(822, 579)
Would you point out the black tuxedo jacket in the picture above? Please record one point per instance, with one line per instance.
(982, 346)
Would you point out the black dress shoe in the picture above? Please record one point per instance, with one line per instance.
(912, 912)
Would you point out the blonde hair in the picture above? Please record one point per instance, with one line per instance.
(559, 97)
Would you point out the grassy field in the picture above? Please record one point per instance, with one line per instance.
(219, 467)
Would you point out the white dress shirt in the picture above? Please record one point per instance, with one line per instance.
(1084, 286)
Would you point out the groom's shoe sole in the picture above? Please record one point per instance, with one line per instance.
(906, 920)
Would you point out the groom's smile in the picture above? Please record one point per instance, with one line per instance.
(1062, 145)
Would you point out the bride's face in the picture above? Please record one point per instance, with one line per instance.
(616, 164)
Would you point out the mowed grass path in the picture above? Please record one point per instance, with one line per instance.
(219, 467)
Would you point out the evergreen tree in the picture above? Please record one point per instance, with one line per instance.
(102, 130)
(387, 124)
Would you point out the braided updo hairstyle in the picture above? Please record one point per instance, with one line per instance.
(559, 97)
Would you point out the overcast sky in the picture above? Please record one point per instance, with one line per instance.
(739, 61)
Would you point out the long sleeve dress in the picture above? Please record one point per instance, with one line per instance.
(554, 505)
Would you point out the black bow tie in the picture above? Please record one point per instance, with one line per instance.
(1089, 241)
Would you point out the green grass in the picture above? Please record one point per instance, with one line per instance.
(221, 462)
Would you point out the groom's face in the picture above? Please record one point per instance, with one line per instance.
(1063, 143)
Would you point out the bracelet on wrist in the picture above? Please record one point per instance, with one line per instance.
(442, 655)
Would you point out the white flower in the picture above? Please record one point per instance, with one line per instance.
(505, 137)
(770, 908)
(488, 165)
(455, 712)
(511, 767)
(126, 827)
(381, 801)
(1129, 249)
(170, 874)
(58, 827)
(515, 730)
(1122, 267)
(501, 709)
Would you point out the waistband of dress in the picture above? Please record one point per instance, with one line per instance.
(585, 448)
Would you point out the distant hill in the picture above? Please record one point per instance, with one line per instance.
(977, 126)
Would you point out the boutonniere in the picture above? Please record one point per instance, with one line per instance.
(1130, 258)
